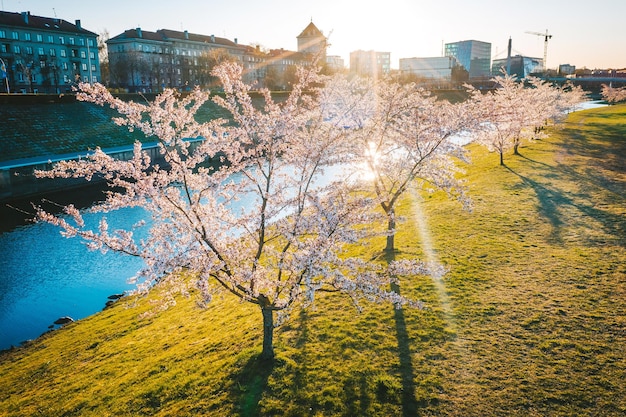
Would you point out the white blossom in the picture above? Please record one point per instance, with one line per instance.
(288, 241)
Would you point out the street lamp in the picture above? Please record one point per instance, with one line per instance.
(5, 74)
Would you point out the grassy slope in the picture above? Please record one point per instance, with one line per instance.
(530, 321)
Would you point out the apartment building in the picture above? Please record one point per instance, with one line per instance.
(146, 61)
(370, 63)
(141, 60)
(44, 54)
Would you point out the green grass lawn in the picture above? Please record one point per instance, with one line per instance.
(529, 321)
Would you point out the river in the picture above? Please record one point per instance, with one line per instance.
(44, 276)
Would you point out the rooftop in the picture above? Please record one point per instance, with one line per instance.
(28, 21)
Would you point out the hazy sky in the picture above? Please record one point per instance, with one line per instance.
(585, 34)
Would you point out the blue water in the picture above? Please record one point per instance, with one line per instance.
(44, 276)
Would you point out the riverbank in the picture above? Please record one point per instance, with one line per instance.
(529, 320)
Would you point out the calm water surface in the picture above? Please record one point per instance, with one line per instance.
(44, 276)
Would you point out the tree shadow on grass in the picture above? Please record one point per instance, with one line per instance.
(249, 384)
(552, 202)
(410, 404)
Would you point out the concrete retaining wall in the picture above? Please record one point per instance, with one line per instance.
(17, 179)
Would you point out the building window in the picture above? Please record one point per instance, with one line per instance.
(81, 42)
(29, 50)
(93, 67)
(3, 34)
(63, 54)
(40, 51)
(17, 49)
(27, 36)
(15, 35)
(50, 39)
(64, 66)
(61, 40)
(53, 52)
(84, 67)
(71, 41)
(4, 48)
(83, 54)
(39, 37)
(42, 64)
(90, 42)
(92, 55)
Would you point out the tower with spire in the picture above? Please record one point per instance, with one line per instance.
(312, 42)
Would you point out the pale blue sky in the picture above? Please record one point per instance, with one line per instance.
(584, 34)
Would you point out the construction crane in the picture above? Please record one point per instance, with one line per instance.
(545, 47)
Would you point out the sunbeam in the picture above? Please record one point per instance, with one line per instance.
(423, 229)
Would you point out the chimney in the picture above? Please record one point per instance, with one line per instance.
(139, 34)
(186, 34)
(78, 24)
(212, 38)
(236, 43)
(25, 15)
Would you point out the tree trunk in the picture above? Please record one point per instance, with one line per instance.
(268, 333)
(501, 158)
(391, 225)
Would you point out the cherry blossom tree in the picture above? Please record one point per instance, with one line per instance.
(502, 114)
(262, 224)
(402, 137)
(613, 95)
(518, 110)
(548, 104)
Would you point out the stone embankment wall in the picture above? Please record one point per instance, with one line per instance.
(38, 129)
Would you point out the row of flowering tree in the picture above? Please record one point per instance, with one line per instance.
(517, 111)
(287, 242)
(402, 137)
(613, 95)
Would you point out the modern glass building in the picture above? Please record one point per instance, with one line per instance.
(474, 56)
(521, 66)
